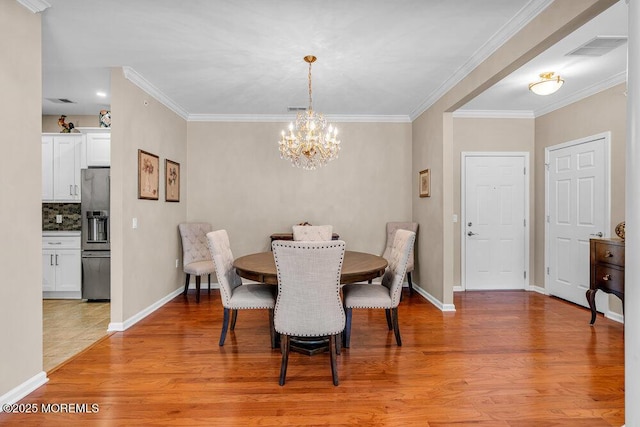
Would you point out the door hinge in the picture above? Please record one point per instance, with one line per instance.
(524, 171)
(524, 222)
(547, 271)
(546, 166)
(525, 274)
(548, 218)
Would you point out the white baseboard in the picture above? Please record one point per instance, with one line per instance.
(614, 316)
(458, 289)
(12, 396)
(538, 289)
(433, 300)
(123, 326)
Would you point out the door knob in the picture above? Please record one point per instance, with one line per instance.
(471, 233)
(598, 234)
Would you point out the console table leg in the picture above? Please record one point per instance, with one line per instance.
(591, 298)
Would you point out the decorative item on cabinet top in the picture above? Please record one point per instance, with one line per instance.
(105, 118)
(620, 230)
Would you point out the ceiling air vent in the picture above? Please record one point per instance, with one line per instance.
(61, 101)
(297, 108)
(599, 46)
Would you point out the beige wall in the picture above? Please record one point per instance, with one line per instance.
(143, 260)
(237, 181)
(603, 112)
(433, 135)
(20, 192)
(50, 123)
(502, 135)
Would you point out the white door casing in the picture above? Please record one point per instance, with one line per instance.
(577, 209)
(495, 223)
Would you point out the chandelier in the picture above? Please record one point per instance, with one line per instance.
(547, 85)
(310, 144)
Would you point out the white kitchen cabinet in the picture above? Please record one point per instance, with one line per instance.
(61, 167)
(98, 147)
(61, 265)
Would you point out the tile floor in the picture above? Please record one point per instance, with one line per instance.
(70, 326)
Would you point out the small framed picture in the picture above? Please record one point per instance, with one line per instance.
(425, 183)
(172, 181)
(148, 175)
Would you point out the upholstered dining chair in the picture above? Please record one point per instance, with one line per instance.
(392, 227)
(312, 233)
(234, 294)
(385, 295)
(308, 302)
(196, 258)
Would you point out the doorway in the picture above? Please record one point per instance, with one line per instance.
(578, 206)
(495, 220)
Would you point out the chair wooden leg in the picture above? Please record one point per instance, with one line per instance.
(234, 317)
(284, 347)
(338, 339)
(272, 330)
(334, 357)
(396, 326)
(186, 284)
(197, 288)
(347, 327)
(387, 312)
(225, 325)
(370, 281)
(410, 283)
(209, 283)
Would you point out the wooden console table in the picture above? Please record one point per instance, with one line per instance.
(607, 270)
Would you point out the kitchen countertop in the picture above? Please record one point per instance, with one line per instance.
(59, 233)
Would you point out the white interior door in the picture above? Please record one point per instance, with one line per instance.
(495, 222)
(577, 209)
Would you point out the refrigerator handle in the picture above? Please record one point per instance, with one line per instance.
(56, 259)
(51, 260)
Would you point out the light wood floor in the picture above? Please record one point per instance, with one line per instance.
(502, 359)
(70, 326)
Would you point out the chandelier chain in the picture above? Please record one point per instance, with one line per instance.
(310, 99)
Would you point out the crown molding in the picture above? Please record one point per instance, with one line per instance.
(137, 79)
(493, 114)
(35, 6)
(612, 81)
(511, 28)
(279, 118)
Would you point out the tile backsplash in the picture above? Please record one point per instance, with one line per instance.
(71, 216)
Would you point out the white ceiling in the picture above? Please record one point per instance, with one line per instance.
(243, 58)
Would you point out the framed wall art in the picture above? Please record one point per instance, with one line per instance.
(425, 183)
(148, 175)
(171, 181)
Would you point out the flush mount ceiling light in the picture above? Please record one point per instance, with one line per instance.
(547, 85)
(312, 142)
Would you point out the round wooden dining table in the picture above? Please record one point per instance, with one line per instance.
(356, 267)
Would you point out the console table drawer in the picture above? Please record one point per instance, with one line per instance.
(610, 278)
(610, 254)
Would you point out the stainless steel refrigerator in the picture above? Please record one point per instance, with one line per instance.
(96, 249)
